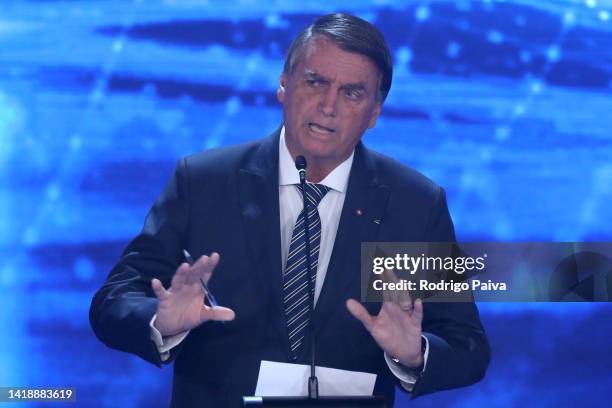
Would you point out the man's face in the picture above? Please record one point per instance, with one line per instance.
(329, 100)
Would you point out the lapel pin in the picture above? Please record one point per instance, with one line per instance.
(376, 220)
(359, 212)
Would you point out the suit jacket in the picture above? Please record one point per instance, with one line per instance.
(226, 200)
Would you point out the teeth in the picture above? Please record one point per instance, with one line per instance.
(318, 129)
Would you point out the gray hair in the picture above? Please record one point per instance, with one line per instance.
(351, 34)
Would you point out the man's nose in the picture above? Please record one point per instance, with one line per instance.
(327, 104)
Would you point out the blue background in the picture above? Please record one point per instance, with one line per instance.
(508, 105)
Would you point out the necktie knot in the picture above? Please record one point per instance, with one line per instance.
(315, 193)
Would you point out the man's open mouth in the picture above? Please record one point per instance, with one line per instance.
(316, 128)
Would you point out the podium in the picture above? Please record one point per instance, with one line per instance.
(321, 402)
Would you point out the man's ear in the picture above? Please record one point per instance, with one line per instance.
(375, 114)
(280, 92)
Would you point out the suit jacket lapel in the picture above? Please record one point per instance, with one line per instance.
(366, 194)
(258, 194)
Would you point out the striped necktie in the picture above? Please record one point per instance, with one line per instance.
(295, 280)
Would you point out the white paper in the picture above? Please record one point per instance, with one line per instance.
(291, 380)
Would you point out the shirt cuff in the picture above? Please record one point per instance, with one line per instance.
(407, 376)
(164, 345)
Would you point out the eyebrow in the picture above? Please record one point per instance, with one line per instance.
(350, 86)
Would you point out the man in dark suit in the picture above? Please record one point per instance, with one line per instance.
(243, 202)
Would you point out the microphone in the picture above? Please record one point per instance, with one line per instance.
(313, 382)
(300, 165)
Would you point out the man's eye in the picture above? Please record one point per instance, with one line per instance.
(313, 82)
(352, 94)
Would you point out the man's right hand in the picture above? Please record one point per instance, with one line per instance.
(181, 307)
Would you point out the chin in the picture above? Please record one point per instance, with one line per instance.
(317, 150)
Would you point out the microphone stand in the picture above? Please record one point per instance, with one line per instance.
(313, 382)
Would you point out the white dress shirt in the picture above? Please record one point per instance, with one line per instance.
(291, 205)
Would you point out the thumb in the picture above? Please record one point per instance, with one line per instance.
(218, 313)
(360, 313)
(158, 288)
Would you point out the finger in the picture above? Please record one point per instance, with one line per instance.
(178, 280)
(404, 300)
(360, 313)
(393, 311)
(213, 261)
(399, 296)
(390, 309)
(392, 295)
(218, 313)
(386, 295)
(390, 276)
(417, 314)
(158, 288)
(195, 271)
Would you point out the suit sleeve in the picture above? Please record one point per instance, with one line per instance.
(122, 308)
(459, 351)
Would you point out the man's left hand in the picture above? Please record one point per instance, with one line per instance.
(396, 328)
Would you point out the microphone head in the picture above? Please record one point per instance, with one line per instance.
(300, 163)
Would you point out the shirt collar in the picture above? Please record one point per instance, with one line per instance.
(288, 175)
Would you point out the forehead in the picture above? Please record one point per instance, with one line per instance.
(324, 57)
